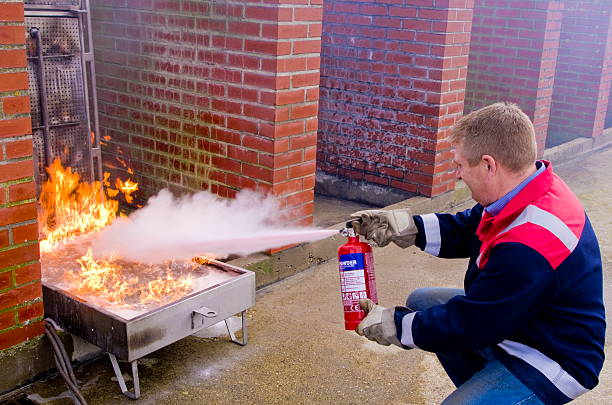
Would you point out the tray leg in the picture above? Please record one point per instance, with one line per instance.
(121, 381)
(245, 336)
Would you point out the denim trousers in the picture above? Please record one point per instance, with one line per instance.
(479, 377)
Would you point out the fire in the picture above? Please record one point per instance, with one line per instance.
(71, 208)
(108, 279)
(103, 278)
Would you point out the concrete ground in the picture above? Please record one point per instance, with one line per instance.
(298, 352)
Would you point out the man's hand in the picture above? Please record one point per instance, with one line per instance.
(383, 227)
(378, 325)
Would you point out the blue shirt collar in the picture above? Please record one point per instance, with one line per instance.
(494, 208)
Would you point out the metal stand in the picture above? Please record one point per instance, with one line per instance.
(134, 364)
(245, 336)
(121, 381)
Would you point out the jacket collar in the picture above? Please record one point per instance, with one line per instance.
(532, 191)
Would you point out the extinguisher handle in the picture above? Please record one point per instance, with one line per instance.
(349, 224)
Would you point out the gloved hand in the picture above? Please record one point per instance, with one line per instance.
(383, 226)
(378, 325)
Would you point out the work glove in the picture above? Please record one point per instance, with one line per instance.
(383, 226)
(379, 324)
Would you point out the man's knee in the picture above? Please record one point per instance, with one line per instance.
(424, 298)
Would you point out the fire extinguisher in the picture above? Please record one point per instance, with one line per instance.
(357, 279)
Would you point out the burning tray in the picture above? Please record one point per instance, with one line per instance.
(130, 334)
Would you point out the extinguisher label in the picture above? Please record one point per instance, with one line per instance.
(352, 261)
(352, 279)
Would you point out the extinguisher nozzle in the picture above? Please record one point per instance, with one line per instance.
(349, 230)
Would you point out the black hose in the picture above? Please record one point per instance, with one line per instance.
(62, 361)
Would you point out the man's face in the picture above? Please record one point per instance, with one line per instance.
(475, 177)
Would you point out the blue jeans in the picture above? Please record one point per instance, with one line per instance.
(479, 377)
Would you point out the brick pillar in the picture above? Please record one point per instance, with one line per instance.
(513, 56)
(584, 71)
(20, 288)
(392, 84)
(218, 95)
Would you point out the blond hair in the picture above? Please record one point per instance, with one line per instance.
(501, 130)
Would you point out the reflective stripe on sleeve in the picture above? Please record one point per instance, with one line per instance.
(406, 338)
(432, 234)
(560, 378)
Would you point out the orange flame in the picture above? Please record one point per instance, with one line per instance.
(70, 207)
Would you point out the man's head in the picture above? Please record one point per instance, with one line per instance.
(495, 149)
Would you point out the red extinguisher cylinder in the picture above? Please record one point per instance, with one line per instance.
(357, 278)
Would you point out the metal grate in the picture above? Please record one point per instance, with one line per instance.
(62, 87)
(60, 36)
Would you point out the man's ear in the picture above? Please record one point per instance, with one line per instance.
(491, 164)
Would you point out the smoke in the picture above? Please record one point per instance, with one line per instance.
(180, 228)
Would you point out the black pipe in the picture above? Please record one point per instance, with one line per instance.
(62, 361)
(42, 91)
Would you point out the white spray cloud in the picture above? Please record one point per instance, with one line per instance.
(202, 223)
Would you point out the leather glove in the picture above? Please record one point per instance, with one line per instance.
(379, 324)
(383, 226)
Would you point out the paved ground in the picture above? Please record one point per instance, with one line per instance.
(298, 351)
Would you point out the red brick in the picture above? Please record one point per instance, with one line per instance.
(301, 170)
(16, 105)
(303, 141)
(20, 295)
(15, 127)
(30, 312)
(11, 35)
(13, 58)
(258, 143)
(304, 111)
(7, 320)
(25, 233)
(11, 12)
(290, 64)
(307, 46)
(305, 79)
(19, 149)
(308, 14)
(287, 187)
(291, 31)
(262, 13)
(6, 280)
(18, 255)
(22, 191)
(290, 97)
(289, 158)
(299, 198)
(17, 213)
(27, 273)
(19, 335)
(4, 239)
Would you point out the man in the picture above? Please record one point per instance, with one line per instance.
(529, 325)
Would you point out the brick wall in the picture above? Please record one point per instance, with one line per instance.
(392, 84)
(20, 289)
(513, 56)
(218, 95)
(584, 70)
(608, 123)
